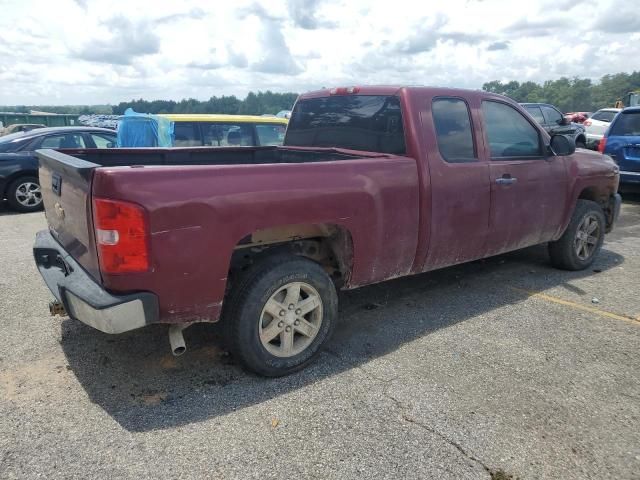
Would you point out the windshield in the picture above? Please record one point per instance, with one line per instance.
(11, 142)
(371, 123)
(604, 116)
(627, 124)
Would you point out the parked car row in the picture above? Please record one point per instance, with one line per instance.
(621, 142)
(555, 123)
(597, 125)
(19, 183)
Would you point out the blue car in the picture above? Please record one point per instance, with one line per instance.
(622, 143)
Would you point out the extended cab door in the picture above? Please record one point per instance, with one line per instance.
(459, 181)
(529, 191)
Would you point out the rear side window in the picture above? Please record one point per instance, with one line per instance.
(509, 133)
(370, 123)
(63, 141)
(604, 116)
(627, 124)
(553, 116)
(186, 134)
(271, 134)
(453, 130)
(536, 113)
(227, 134)
(103, 141)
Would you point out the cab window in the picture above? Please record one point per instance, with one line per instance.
(227, 134)
(270, 134)
(453, 130)
(509, 133)
(186, 134)
(536, 113)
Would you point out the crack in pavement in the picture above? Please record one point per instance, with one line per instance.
(405, 416)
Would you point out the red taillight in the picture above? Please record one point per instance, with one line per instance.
(602, 145)
(587, 123)
(121, 236)
(344, 90)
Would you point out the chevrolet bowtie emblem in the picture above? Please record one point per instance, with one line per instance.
(59, 210)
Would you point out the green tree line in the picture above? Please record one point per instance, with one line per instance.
(253, 104)
(570, 94)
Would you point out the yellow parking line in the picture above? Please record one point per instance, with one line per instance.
(577, 306)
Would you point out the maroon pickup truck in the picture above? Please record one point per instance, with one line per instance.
(372, 183)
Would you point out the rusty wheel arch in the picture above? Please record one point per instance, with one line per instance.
(329, 245)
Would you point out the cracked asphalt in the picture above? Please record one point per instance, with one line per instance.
(502, 368)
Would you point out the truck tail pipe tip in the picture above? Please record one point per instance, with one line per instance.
(57, 308)
(176, 339)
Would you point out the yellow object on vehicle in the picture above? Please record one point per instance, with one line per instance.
(631, 99)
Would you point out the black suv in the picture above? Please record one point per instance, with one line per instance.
(555, 123)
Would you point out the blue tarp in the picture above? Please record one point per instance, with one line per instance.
(144, 130)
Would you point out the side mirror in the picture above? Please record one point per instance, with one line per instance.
(561, 145)
(564, 121)
(111, 145)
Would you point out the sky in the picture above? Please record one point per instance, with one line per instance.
(58, 52)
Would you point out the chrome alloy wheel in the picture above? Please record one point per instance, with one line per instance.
(587, 237)
(290, 320)
(28, 194)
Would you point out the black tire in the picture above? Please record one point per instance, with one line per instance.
(564, 252)
(12, 194)
(243, 315)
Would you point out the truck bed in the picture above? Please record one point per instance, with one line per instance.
(212, 156)
(201, 203)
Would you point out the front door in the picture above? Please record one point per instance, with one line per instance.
(528, 187)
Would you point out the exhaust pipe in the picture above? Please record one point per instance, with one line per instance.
(57, 308)
(176, 339)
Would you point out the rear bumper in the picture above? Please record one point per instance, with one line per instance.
(83, 298)
(629, 177)
(613, 211)
(593, 140)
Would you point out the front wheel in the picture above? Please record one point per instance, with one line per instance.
(582, 240)
(280, 314)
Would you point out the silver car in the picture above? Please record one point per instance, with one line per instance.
(597, 124)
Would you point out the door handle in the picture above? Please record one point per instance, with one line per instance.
(506, 180)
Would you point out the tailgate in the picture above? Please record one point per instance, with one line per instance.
(66, 191)
(630, 160)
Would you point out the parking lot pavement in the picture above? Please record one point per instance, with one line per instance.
(499, 368)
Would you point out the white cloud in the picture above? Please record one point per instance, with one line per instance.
(94, 51)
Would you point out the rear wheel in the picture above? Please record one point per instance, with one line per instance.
(280, 314)
(581, 143)
(582, 240)
(24, 194)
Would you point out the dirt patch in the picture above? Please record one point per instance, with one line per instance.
(31, 379)
(501, 475)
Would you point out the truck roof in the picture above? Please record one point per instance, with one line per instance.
(395, 90)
